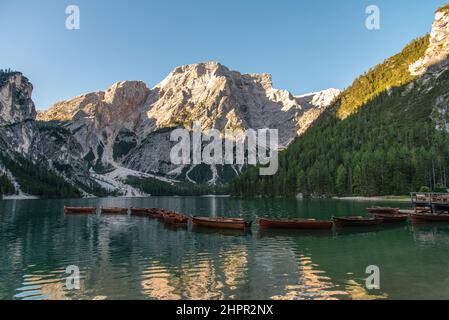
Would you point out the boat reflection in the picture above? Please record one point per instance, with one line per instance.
(275, 233)
(172, 227)
(431, 233)
(221, 232)
(363, 230)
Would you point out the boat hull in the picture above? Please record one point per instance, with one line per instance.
(295, 224)
(75, 210)
(139, 211)
(392, 218)
(176, 220)
(221, 223)
(155, 213)
(381, 210)
(357, 222)
(114, 211)
(417, 217)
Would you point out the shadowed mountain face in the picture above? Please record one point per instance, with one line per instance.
(17, 114)
(25, 167)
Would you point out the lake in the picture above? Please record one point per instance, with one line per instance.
(124, 257)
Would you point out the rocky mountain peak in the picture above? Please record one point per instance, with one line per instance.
(198, 71)
(129, 93)
(220, 98)
(438, 50)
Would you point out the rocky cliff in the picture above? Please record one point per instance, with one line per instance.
(17, 113)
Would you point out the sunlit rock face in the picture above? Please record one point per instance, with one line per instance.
(219, 98)
(96, 119)
(432, 70)
(438, 50)
(314, 105)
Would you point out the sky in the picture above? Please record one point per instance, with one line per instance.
(307, 45)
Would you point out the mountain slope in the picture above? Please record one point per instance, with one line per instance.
(386, 135)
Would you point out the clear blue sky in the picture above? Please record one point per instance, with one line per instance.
(307, 45)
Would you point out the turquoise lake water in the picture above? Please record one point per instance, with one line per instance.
(124, 257)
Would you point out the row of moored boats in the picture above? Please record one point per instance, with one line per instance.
(378, 216)
(169, 217)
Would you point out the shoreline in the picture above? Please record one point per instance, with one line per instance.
(20, 197)
(379, 198)
(360, 199)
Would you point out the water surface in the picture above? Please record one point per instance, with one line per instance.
(124, 257)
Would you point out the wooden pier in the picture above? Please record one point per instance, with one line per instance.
(433, 202)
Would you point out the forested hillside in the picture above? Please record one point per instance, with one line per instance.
(6, 187)
(393, 72)
(36, 179)
(390, 146)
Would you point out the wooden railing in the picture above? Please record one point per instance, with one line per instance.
(430, 198)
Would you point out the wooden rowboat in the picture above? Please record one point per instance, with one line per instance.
(383, 210)
(175, 219)
(295, 224)
(391, 218)
(428, 217)
(221, 223)
(80, 210)
(121, 211)
(156, 213)
(139, 211)
(356, 221)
